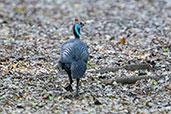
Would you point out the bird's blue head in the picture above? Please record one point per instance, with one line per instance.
(76, 29)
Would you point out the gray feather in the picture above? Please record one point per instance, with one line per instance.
(74, 54)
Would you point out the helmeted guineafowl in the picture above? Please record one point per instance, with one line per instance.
(73, 57)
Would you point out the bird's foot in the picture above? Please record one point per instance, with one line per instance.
(76, 95)
(69, 88)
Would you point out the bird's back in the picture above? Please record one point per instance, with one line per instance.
(74, 50)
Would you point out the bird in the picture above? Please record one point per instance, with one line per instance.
(74, 57)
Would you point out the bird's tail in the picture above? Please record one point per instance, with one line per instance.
(78, 69)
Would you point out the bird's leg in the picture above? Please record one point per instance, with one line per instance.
(77, 86)
(70, 79)
(69, 87)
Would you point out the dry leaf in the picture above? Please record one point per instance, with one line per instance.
(122, 41)
(36, 70)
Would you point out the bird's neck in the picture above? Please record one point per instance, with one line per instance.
(76, 31)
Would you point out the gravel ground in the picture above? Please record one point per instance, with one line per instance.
(117, 32)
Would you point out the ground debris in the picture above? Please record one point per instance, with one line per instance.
(125, 38)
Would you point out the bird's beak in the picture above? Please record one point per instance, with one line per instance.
(82, 24)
